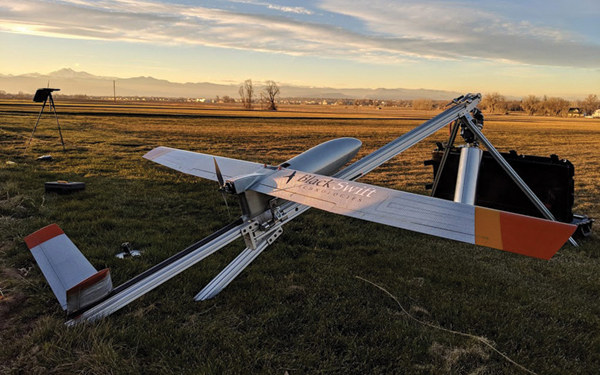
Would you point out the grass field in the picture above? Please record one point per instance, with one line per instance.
(299, 308)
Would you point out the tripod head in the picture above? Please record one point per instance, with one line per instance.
(41, 95)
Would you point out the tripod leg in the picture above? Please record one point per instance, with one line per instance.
(449, 144)
(511, 172)
(57, 123)
(35, 127)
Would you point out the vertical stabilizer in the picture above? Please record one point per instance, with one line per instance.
(73, 279)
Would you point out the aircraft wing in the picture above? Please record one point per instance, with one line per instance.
(461, 222)
(200, 165)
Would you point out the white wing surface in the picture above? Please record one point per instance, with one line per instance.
(461, 222)
(200, 165)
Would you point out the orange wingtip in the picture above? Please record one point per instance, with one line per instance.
(520, 234)
(43, 235)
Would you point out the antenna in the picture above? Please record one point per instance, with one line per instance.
(114, 91)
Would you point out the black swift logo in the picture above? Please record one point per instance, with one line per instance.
(290, 177)
(332, 185)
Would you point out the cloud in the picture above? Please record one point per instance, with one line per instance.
(173, 24)
(287, 9)
(391, 32)
(456, 30)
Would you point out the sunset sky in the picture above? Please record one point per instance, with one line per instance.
(515, 47)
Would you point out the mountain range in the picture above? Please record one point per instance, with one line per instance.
(74, 83)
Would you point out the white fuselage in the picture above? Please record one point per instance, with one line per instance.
(324, 159)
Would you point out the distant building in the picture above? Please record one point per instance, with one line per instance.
(596, 114)
(575, 112)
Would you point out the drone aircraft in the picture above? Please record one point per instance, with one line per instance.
(271, 196)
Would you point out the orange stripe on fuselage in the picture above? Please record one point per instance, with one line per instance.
(488, 231)
(43, 235)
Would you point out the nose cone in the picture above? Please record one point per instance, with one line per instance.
(326, 158)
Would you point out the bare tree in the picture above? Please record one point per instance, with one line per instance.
(247, 93)
(242, 96)
(530, 104)
(271, 92)
(590, 104)
(494, 102)
(555, 106)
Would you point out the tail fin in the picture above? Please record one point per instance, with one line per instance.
(73, 279)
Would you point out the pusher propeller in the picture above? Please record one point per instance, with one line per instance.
(219, 175)
(222, 185)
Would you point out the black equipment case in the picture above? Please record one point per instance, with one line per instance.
(550, 178)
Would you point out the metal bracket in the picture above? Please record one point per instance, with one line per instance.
(275, 235)
(278, 214)
(251, 233)
(254, 234)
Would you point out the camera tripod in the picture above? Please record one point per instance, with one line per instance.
(43, 95)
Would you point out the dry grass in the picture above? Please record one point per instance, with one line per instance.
(298, 308)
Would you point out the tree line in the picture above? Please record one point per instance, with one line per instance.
(540, 106)
(492, 102)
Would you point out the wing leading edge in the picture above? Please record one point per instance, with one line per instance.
(471, 224)
(200, 165)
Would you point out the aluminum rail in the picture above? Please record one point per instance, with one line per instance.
(160, 273)
(460, 108)
(449, 144)
(230, 272)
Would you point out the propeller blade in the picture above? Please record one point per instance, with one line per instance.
(226, 204)
(222, 185)
(218, 172)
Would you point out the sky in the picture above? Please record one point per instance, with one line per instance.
(515, 47)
